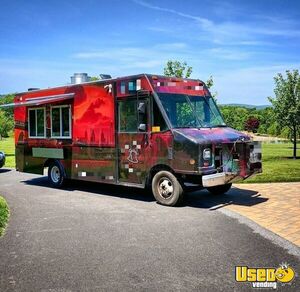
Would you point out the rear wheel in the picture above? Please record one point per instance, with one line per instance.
(219, 190)
(56, 174)
(166, 189)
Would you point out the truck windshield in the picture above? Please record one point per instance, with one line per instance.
(188, 111)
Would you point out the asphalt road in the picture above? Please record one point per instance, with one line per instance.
(92, 237)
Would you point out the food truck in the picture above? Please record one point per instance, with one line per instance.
(145, 131)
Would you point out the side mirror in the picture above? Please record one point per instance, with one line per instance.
(142, 108)
(142, 127)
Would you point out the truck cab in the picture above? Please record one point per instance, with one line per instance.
(203, 150)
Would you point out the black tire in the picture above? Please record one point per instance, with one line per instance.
(56, 174)
(2, 159)
(219, 190)
(166, 189)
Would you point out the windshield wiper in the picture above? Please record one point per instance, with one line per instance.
(219, 126)
(184, 127)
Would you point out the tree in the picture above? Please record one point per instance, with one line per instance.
(9, 111)
(6, 125)
(235, 116)
(252, 124)
(209, 84)
(178, 69)
(6, 115)
(286, 103)
(94, 78)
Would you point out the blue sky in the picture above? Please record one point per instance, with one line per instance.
(242, 44)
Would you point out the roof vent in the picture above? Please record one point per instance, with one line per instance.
(105, 76)
(80, 78)
(33, 88)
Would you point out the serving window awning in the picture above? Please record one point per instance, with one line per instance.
(41, 100)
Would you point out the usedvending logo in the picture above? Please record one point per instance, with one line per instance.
(265, 277)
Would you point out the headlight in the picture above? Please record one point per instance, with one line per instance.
(206, 154)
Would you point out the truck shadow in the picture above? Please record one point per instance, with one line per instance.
(3, 170)
(96, 188)
(197, 199)
(235, 196)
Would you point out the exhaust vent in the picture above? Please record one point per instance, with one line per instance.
(78, 78)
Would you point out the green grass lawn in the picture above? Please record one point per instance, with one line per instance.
(278, 166)
(4, 214)
(8, 146)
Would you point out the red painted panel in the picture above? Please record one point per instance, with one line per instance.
(94, 116)
(20, 122)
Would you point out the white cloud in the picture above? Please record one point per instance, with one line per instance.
(231, 32)
(201, 20)
(137, 57)
(229, 54)
(110, 53)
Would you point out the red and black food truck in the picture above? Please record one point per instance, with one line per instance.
(142, 130)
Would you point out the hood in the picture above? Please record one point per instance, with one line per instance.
(212, 135)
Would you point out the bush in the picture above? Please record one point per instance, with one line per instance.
(6, 124)
(252, 124)
(4, 214)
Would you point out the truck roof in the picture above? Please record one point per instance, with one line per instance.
(106, 81)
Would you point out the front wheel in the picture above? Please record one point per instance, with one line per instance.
(56, 174)
(219, 190)
(166, 189)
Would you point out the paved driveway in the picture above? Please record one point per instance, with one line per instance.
(91, 237)
(275, 206)
(279, 210)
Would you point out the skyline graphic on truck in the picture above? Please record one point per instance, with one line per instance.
(143, 131)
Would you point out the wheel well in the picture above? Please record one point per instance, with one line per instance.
(48, 162)
(155, 169)
(51, 160)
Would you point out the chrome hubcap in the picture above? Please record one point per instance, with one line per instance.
(165, 188)
(55, 174)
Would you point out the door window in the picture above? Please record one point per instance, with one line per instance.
(128, 118)
(159, 123)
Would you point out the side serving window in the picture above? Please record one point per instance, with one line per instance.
(61, 121)
(37, 121)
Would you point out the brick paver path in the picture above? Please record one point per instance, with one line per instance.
(275, 206)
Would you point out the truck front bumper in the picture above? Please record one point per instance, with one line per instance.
(222, 178)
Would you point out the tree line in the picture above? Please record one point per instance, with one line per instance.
(262, 121)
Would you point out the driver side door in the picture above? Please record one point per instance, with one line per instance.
(133, 135)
